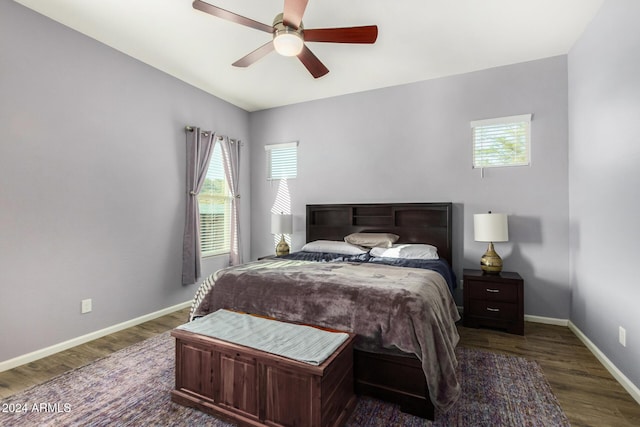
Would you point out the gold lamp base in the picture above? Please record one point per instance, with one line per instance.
(491, 263)
(282, 248)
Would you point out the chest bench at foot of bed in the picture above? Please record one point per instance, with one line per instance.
(254, 388)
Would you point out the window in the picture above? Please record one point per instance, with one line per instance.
(214, 202)
(282, 160)
(503, 141)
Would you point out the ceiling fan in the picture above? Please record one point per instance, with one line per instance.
(289, 35)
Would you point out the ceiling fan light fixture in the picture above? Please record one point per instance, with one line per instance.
(289, 36)
(288, 42)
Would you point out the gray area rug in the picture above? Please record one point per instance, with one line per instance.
(132, 388)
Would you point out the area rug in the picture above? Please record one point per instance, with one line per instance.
(132, 388)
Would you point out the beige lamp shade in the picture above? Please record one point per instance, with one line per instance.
(281, 224)
(490, 227)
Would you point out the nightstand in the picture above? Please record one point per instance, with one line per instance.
(495, 301)
(266, 257)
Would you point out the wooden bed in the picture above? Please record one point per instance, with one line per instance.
(397, 379)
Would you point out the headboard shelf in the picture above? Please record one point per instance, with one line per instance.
(371, 220)
(414, 222)
(372, 211)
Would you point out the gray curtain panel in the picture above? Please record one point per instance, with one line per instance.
(199, 149)
(231, 158)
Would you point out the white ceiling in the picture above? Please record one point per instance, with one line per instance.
(417, 40)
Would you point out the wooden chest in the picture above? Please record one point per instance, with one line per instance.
(255, 388)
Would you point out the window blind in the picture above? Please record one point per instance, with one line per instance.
(504, 141)
(282, 160)
(214, 202)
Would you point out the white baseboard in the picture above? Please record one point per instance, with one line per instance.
(546, 320)
(48, 351)
(613, 370)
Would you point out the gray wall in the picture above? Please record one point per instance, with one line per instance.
(412, 143)
(92, 176)
(92, 182)
(604, 153)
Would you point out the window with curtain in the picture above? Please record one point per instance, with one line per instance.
(282, 160)
(504, 141)
(214, 202)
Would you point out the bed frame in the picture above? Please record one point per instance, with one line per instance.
(396, 379)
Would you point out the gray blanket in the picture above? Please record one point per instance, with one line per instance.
(388, 307)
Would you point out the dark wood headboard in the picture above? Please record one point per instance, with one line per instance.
(429, 223)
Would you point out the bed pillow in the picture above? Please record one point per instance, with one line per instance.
(372, 240)
(333, 246)
(328, 257)
(407, 251)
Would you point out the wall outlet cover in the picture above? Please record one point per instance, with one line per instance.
(86, 306)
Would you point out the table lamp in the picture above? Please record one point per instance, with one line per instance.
(281, 224)
(491, 227)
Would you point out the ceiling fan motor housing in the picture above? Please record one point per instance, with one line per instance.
(288, 41)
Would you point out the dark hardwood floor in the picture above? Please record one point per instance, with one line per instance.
(589, 395)
(39, 371)
(587, 392)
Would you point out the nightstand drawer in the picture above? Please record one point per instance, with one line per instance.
(492, 291)
(493, 310)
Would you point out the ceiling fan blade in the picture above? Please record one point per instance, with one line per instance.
(230, 16)
(254, 56)
(293, 11)
(366, 34)
(312, 63)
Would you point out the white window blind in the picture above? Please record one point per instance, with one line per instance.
(282, 160)
(214, 202)
(503, 141)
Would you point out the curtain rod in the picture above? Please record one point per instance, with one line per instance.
(205, 132)
(191, 129)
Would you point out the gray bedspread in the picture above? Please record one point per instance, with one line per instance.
(388, 307)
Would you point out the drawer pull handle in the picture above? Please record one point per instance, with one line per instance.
(494, 291)
(493, 309)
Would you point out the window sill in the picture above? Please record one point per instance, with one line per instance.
(215, 255)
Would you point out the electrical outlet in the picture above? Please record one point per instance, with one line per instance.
(461, 284)
(86, 306)
(622, 336)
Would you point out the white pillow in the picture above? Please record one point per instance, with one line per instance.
(333, 246)
(407, 251)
